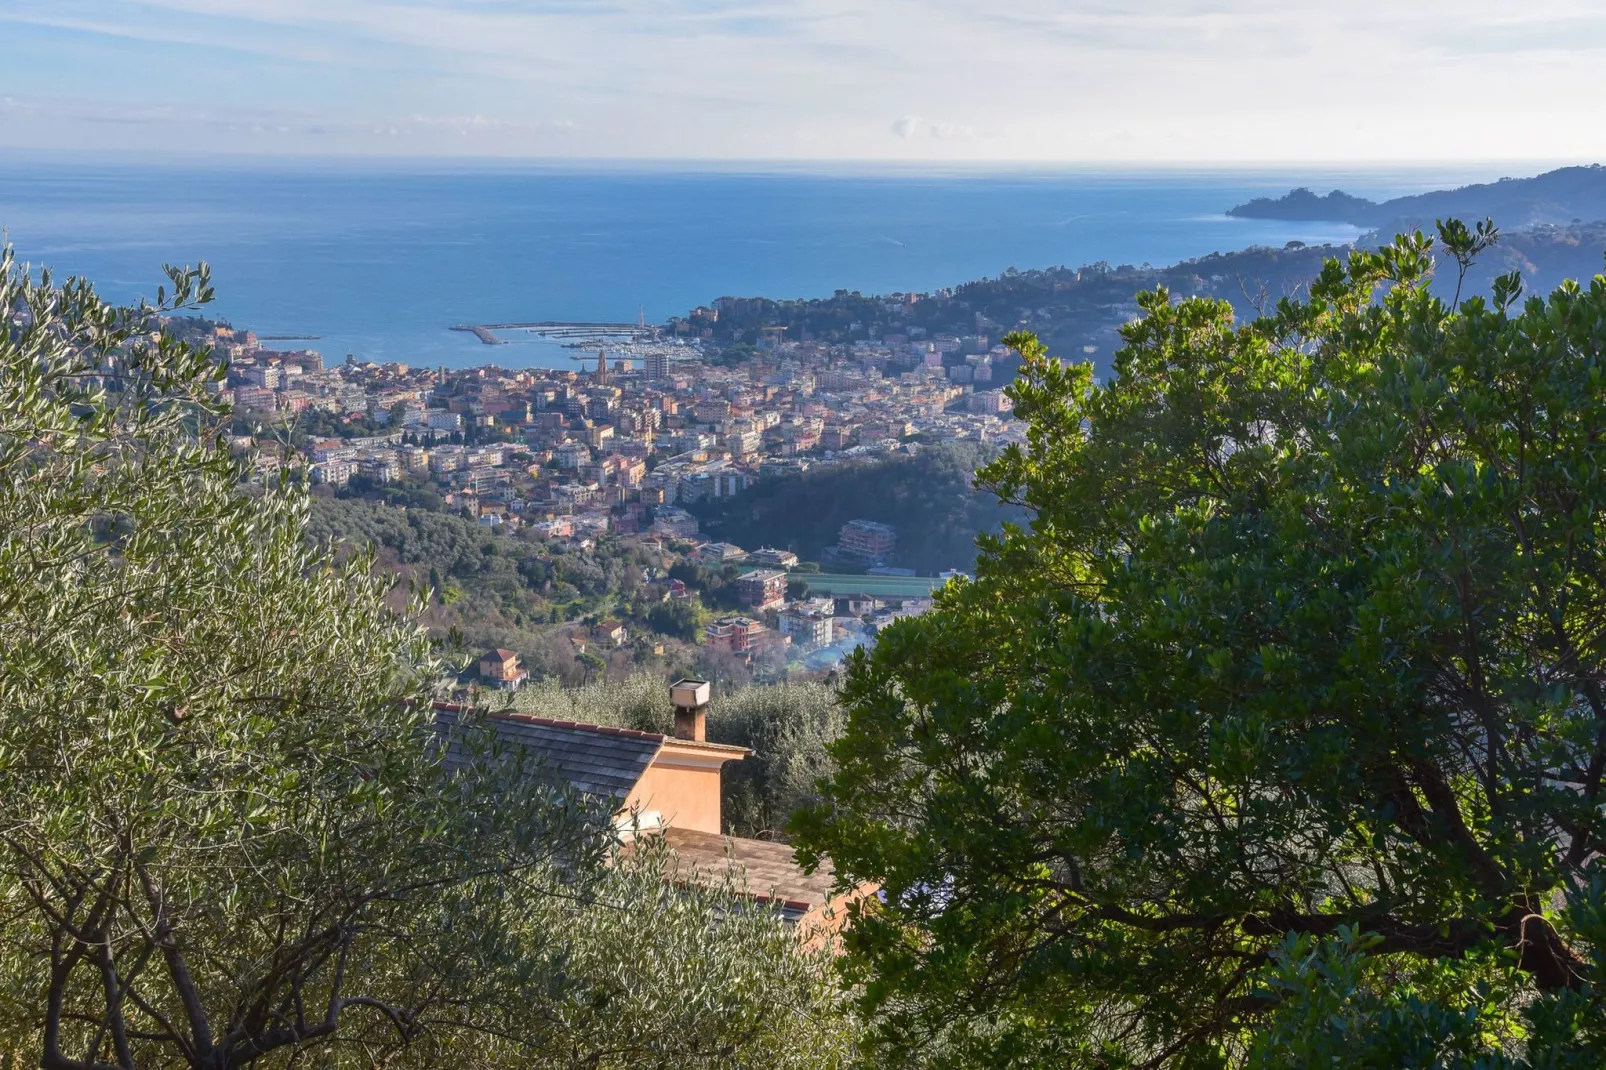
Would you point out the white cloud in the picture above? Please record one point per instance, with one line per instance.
(465, 124)
(1007, 79)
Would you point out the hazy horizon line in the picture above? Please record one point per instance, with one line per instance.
(734, 166)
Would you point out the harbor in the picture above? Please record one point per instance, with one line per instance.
(561, 329)
(629, 344)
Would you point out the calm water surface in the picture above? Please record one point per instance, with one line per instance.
(379, 260)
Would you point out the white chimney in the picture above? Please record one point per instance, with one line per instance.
(690, 697)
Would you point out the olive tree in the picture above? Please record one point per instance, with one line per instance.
(1278, 736)
(225, 834)
(676, 969)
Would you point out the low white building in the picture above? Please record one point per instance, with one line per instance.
(441, 420)
(807, 628)
(334, 473)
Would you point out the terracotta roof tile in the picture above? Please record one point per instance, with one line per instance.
(594, 759)
(771, 870)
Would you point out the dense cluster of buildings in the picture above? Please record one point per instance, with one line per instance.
(574, 454)
(807, 624)
(608, 448)
(819, 630)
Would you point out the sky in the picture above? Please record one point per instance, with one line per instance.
(964, 81)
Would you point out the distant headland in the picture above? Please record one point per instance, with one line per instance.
(1560, 197)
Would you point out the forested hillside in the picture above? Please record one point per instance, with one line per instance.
(497, 590)
(1071, 308)
(523, 579)
(1078, 311)
(927, 496)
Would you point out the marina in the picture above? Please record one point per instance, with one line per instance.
(627, 343)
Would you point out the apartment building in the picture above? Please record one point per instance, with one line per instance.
(763, 588)
(868, 539)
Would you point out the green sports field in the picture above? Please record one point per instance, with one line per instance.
(875, 586)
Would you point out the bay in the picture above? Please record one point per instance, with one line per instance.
(380, 259)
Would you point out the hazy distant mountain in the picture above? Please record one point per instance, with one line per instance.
(1566, 195)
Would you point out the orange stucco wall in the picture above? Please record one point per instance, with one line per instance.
(687, 798)
(825, 922)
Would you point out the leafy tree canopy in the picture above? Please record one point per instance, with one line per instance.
(1277, 737)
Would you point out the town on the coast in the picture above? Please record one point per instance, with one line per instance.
(622, 446)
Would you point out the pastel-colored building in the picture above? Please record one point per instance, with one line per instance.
(613, 633)
(762, 588)
(868, 539)
(501, 668)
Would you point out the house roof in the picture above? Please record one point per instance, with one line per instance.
(762, 575)
(771, 871)
(499, 655)
(594, 759)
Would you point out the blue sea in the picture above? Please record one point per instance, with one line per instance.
(380, 259)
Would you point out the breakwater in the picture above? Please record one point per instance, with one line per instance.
(482, 333)
(486, 332)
